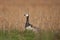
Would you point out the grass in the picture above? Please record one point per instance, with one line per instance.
(27, 35)
(47, 35)
(16, 35)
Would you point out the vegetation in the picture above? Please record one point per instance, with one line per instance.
(16, 35)
(28, 35)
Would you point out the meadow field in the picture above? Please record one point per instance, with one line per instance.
(29, 35)
(44, 15)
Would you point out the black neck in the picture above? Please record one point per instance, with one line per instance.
(27, 21)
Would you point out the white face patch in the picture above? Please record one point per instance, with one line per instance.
(26, 15)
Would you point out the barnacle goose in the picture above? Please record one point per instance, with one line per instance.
(29, 26)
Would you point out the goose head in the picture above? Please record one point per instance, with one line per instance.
(26, 15)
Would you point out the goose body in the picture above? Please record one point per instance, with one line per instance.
(29, 26)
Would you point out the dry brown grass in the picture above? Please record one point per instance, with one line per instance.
(43, 14)
(3, 23)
